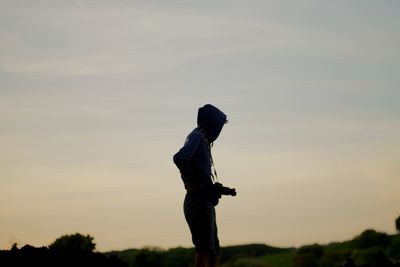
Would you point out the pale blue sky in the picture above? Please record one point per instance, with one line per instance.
(96, 97)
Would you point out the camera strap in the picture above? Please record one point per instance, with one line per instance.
(214, 175)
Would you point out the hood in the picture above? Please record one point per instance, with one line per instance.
(211, 120)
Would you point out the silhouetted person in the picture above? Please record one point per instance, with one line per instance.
(194, 161)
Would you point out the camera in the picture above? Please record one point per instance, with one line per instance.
(223, 190)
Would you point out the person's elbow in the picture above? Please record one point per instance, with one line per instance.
(176, 159)
(179, 161)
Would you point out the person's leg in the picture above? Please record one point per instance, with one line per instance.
(214, 260)
(206, 260)
(202, 260)
(215, 257)
(200, 217)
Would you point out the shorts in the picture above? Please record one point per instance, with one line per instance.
(200, 216)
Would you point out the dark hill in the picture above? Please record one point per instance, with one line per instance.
(249, 251)
(182, 257)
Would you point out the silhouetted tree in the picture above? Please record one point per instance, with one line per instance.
(74, 243)
(45, 257)
(371, 238)
(398, 224)
(308, 256)
(14, 246)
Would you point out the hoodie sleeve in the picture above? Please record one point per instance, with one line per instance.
(183, 157)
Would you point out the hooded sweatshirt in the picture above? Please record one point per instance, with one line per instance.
(194, 158)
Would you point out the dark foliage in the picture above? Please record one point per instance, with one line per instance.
(380, 260)
(308, 256)
(371, 238)
(246, 262)
(393, 250)
(315, 249)
(177, 257)
(74, 243)
(249, 251)
(148, 258)
(184, 257)
(46, 257)
(128, 256)
(369, 249)
(174, 257)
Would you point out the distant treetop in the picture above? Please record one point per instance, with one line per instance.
(75, 242)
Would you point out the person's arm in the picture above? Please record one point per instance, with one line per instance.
(185, 154)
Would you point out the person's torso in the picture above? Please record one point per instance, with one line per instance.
(200, 164)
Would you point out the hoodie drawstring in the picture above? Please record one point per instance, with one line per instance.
(214, 175)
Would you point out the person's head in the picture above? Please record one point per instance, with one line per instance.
(211, 120)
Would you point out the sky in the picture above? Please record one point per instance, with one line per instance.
(97, 96)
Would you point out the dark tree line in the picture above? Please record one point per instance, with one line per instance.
(70, 250)
(232, 256)
(369, 249)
